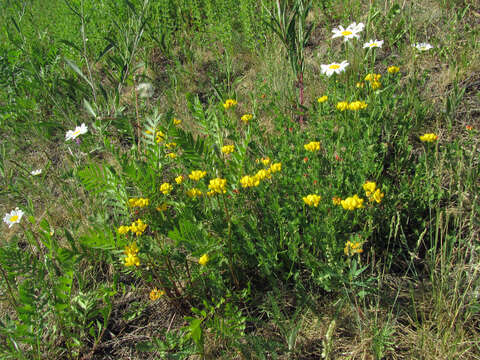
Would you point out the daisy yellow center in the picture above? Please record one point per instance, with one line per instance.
(14, 218)
(373, 44)
(346, 33)
(334, 66)
(76, 132)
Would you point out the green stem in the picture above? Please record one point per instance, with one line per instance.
(229, 240)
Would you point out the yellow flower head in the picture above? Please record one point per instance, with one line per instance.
(249, 181)
(336, 200)
(352, 203)
(428, 137)
(196, 175)
(246, 118)
(376, 85)
(228, 149)
(138, 227)
(203, 260)
(194, 192)
(138, 202)
(131, 249)
(360, 85)
(352, 248)
(265, 161)
(275, 167)
(171, 155)
(131, 257)
(322, 99)
(229, 103)
(162, 207)
(166, 188)
(262, 174)
(312, 146)
(170, 145)
(155, 294)
(123, 229)
(176, 122)
(369, 187)
(373, 77)
(218, 185)
(312, 200)
(377, 196)
(342, 105)
(159, 137)
(393, 69)
(179, 179)
(357, 105)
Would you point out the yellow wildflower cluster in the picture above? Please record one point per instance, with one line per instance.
(352, 202)
(171, 155)
(312, 200)
(229, 103)
(203, 260)
(249, 181)
(372, 192)
(131, 257)
(312, 146)
(353, 106)
(276, 167)
(196, 175)
(138, 227)
(246, 118)
(166, 188)
(265, 161)
(228, 149)
(194, 192)
(179, 179)
(336, 200)
(123, 229)
(176, 122)
(155, 294)
(159, 137)
(170, 145)
(393, 69)
(322, 99)
(218, 186)
(352, 248)
(138, 202)
(263, 174)
(374, 80)
(428, 137)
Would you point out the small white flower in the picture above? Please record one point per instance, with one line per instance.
(79, 130)
(422, 46)
(145, 90)
(14, 217)
(350, 32)
(373, 44)
(332, 68)
(36, 172)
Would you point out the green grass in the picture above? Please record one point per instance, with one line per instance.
(396, 278)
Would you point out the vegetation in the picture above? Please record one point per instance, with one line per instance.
(239, 180)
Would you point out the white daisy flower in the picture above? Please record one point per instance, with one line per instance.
(332, 68)
(145, 90)
(36, 172)
(422, 46)
(79, 130)
(14, 217)
(373, 44)
(350, 32)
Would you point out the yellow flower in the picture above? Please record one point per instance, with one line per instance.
(228, 149)
(249, 181)
(275, 167)
(194, 192)
(138, 202)
(369, 187)
(131, 260)
(265, 161)
(138, 227)
(123, 229)
(148, 132)
(336, 200)
(196, 175)
(352, 203)
(373, 77)
(131, 249)
(155, 294)
(357, 105)
(166, 188)
(352, 248)
(342, 105)
(360, 85)
(159, 137)
(203, 260)
(322, 99)
(218, 185)
(179, 179)
(246, 118)
(162, 207)
(170, 145)
(377, 196)
(210, 193)
(262, 174)
(171, 155)
(229, 103)
(176, 122)
(393, 69)
(376, 85)
(312, 200)
(428, 137)
(312, 146)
